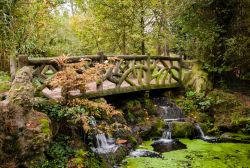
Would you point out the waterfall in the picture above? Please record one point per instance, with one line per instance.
(203, 136)
(172, 113)
(167, 133)
(101, 141)
(197, 126)
(103, 146)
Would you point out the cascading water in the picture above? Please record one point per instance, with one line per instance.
(172, 113)
(103, 146)
(168, 110)
(167, 134)
(203, 136)
(166, 143)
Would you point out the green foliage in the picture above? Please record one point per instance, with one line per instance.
(58, 153)
(4, 77)
(4, 81)
(45, 126)
(60, 112)
(196, 102)
(213, 31)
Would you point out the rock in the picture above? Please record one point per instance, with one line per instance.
(167, 145)
(182, 130)
(110, 159)
(26, 132)
(234, 137)
(145, 153)
(197, 79)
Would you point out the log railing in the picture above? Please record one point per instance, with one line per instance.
(130, 72)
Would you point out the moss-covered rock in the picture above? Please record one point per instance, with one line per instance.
(197, 79)
(234, 137)
(182, 130)
(27, 132)
(135, 112)
(108, 160)
(152, 129)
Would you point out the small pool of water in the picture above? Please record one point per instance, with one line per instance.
(197, 154)
(167, 145)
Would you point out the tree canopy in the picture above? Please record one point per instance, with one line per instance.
(216, 32)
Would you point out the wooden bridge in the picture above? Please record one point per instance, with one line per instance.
(130, 73)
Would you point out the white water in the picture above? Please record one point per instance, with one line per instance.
(103, 146)
(144, 153)
(172, 113)
(203, 136)
(166, 135)
(197, 126)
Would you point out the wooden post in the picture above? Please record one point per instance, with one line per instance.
(99, 84)
(180, 69)
(148, 75)
(23, 61)
(101, 57)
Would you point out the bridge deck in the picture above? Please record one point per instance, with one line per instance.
(108, 89)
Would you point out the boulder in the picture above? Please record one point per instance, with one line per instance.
(183, 129)
(234, 137)
(197, 79)
(25, 133)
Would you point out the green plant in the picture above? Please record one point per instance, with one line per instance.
(58, 153)
(4, 76)
(196, 102)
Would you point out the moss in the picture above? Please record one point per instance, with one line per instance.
(135, 112)
(199, 154)
(235, 137)
(150, 106)
(159, 126)
(4, 82)
(4, 86)
(45, 126)
(146, 145)
(182, 130)
(197, 79)
(132, 140)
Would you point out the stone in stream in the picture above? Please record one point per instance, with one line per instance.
(167, 145)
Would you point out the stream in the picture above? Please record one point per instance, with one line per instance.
(197, 154)
(170, 152)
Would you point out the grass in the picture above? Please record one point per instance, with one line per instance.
(199, 154)
(4, 82)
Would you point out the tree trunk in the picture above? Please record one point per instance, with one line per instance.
(166, 48)
(13, 66)
(124, 41)
(158, 48)
(143, 49)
